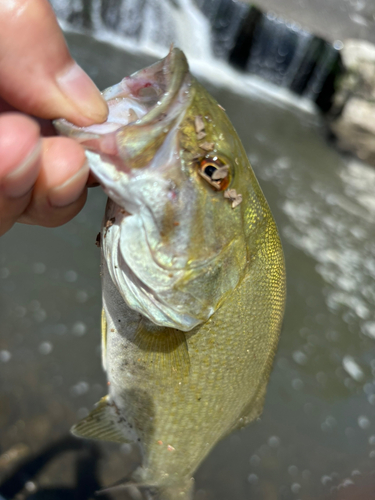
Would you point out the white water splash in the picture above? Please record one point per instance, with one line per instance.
(186, 27)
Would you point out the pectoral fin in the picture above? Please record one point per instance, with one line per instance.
(165, 352)
(100, 424)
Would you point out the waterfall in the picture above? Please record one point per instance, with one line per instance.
(227, 42)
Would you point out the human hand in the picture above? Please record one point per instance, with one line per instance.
(42, 180)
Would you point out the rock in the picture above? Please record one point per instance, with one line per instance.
(353, 111)
(355, 128)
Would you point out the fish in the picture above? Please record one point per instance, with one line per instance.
(193, 275)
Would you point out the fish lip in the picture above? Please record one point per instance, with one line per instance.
(175, 65)
(137, 142)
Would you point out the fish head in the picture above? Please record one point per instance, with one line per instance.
(175, 234)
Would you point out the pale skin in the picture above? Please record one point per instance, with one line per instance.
(43, 180)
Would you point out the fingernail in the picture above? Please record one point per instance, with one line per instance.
(70, 190)
(80, 89)
(19, 182)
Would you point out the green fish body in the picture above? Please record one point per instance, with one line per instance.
(192, 272)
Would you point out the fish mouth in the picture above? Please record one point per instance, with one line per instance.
(142, 109)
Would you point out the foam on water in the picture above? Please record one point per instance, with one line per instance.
(189, 29)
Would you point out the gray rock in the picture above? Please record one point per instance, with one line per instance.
(354, 103)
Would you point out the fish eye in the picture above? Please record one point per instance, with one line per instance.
(209, 169)
(215, 172)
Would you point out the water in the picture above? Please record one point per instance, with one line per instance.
(316, 437)
(215, 35)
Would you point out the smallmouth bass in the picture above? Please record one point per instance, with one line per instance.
(193, 275)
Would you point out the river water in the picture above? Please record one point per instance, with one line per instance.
(316, 437)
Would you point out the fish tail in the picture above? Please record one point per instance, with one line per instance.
(180, 491)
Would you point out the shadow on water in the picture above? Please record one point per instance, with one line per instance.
(87, 456)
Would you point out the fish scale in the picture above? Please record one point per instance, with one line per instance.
(193, 283)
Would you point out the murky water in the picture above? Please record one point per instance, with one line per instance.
(316, 437)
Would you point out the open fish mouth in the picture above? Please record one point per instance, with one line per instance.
(143, 108)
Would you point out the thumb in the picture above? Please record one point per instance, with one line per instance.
(37, 74)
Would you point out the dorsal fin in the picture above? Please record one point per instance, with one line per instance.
(100, 424)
